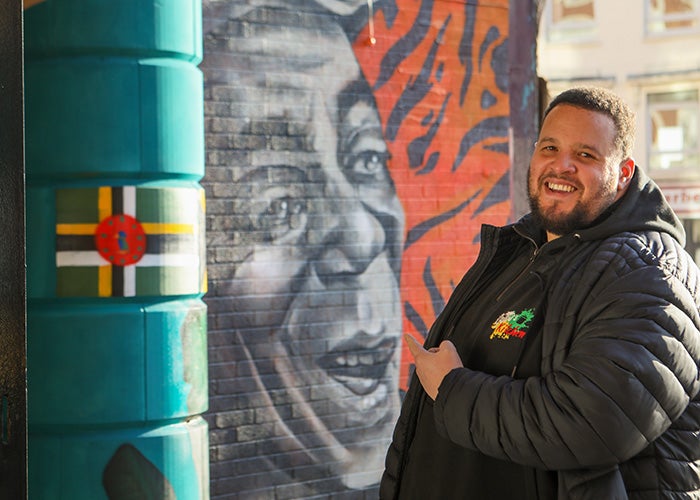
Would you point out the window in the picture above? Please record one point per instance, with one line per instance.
(571, 20)
(672, 127)
(692, 237)
(672, 16)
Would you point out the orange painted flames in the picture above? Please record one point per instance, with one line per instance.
(439, 87)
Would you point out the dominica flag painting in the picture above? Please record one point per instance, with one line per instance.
(126, 241)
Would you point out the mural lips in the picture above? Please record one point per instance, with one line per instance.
(360, 368)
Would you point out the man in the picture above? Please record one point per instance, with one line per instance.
(305, 257)
(565, 364)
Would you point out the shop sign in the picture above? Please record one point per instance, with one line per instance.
(685, 199)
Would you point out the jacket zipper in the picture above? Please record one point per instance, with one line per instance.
(529, 264)
(527, 267)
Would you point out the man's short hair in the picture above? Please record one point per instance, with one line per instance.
(604, 101)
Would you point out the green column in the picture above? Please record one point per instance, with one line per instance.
(116, 325)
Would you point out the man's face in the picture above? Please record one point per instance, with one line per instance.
(576, 171)
(319, 230)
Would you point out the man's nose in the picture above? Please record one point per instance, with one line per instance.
(565, 162)
(353, 239)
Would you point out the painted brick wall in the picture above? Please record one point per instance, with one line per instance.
(351, 159)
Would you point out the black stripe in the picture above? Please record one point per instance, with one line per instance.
(117, 200)
(117, 281)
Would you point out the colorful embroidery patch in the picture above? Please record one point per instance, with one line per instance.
(127, 241)
(511, 324)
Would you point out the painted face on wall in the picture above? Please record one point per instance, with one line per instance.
(317, 232)
(576, 171)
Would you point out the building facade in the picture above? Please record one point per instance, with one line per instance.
(649, 53)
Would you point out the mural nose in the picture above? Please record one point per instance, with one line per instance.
(353, 243)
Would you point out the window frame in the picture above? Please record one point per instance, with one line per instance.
(662, 19)
(568, 31)
(677, 172)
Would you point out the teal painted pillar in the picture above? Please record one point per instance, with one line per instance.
(116, 325)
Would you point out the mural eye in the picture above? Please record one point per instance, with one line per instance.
(367, 164)
(280, 216)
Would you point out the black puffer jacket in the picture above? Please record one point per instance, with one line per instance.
(616, 409)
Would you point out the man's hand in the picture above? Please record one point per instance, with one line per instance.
(434, 364)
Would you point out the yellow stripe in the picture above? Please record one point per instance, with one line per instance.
(148, 227)
(76, 229)
(104, 281)
(104, 202)
(165, 228)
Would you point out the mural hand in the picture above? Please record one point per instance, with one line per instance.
(432, 365)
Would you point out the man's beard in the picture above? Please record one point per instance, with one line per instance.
(583, 215)
(559, 224)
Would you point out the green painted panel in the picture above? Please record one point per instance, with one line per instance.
(82, 118)
(172, 116)
(117, 117)
(86, 364)
(77, 281)
(79, 27)
(176, 339)
(81, 204)
(41, 235)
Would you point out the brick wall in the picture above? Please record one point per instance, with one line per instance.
(349, 166)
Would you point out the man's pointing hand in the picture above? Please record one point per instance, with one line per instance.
(432, 365)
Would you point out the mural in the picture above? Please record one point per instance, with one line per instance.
(353, 150)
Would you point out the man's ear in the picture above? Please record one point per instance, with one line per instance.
(626, 172)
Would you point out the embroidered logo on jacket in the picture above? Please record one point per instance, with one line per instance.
(512, 324)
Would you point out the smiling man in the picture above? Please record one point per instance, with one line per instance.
(565, 364)
(577, 171)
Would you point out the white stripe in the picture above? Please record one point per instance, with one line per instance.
(169, 260)
(81, 259)
(129, 281)
(129, 195)
(88, 258)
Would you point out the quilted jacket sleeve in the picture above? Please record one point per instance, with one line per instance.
(389, 485)
(621, 346)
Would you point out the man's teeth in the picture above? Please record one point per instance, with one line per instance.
(560, 187)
